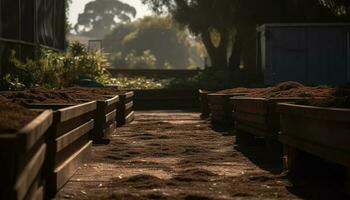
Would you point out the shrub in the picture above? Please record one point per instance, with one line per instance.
(54, 69)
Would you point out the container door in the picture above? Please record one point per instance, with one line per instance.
(287, 55)
(327, 56)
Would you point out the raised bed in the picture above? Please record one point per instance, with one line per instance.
(105, 123)
(221, 108)
(204, 103)
(125, 109)
(258, 116)
(322, 132)
(22, 158)
(166, 99)
(69, 144)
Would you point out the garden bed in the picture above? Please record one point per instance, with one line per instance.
(69, 144)
(125, 109)
(204, 104)
(320, 131)
(258, 116)
(23, 150)
(221, 108)
(256, 113)
(166, 99)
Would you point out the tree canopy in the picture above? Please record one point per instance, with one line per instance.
(235, 21)
(100, 17)
(152, 38)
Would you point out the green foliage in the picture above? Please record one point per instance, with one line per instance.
(138, 83)
(54, 70)
(99, 17)
(11, 83)
(171, 46)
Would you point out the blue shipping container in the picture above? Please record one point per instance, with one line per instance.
(313, 54)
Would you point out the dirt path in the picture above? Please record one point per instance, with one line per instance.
(177, 156)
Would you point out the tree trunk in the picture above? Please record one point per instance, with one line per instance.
(235, 58)
(218, 55)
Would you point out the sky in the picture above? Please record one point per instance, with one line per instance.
(77, 7)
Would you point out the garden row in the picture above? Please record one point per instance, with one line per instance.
(46, 135)
(312, 120)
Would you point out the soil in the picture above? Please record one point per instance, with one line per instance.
(240, 90)
(283, 90)
(293, 89)
(178, 156)
(340, 98)
(72, 95)
(92, 93)
(14, 117)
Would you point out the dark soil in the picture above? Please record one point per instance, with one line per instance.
(14, 117)
(72, 95)
(92, 93)
(340, 98)
(178, 156)
(282, 90)
(40, 95)
(292, 89)
(240, 90)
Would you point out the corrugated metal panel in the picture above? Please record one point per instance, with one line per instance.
(312, 54)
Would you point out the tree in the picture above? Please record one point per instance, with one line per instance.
(203, 18)
(235, 21)
(99, 17)
(160, 36)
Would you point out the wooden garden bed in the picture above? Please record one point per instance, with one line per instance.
(166, 99)
(22, 157)
(69, 144)
(221, 108)
(323, 132)
(258, 116)
(125, 109)
(204, 103)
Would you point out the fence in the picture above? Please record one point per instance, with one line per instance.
(27, 25)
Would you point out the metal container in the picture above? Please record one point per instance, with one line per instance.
(313, 54)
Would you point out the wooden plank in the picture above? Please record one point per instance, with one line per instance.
(129, 105)
(67, 169)
(110, 130)
(52, 106)
(329, 114)
(70, 137)
(250, 105)
(113, 100)
(251, 130)
(30, 172)
(27, 137)
(322, 151)
(110, 116)
(130, 118)
(35, 130)
(38, 195)
(76, 111)
(129, 95)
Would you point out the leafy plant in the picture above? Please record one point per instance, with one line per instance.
(12, 83)
(54, 69)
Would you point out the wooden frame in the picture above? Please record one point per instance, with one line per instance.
(22, 158)
(125, 113)
(258, 116)
(324, 132)
(204, 103)
(69, 144)
(105, 123)
(221, 108)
